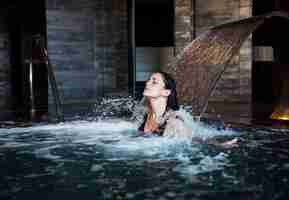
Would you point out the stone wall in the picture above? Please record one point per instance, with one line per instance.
(184, 30)
(87, 46)
(183, 24)
(5, 70)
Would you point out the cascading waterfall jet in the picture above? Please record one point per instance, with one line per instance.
(208, 56)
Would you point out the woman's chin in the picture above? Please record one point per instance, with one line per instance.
(149, 94)
(146, 94)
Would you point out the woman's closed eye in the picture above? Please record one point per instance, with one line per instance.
(154, 82)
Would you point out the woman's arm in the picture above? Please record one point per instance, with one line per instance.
(177, 128)
(227, 144)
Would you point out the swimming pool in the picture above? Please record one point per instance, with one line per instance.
(103, 159)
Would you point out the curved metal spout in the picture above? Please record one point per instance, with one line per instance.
(200, 66)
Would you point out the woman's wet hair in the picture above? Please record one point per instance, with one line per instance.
(170, 84)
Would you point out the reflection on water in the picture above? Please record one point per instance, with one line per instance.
(103, 159)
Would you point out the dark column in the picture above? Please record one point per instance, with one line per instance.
(266, 74)
(29, 76)
(131, 46)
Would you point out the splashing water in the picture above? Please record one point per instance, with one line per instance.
(115, 137)
(104, 157)
(104, 146)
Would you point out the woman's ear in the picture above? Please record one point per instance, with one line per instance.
(166, 92)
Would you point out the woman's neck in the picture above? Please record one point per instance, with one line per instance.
(158, 106)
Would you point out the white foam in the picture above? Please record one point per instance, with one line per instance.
(206, 164)
(113, 135)
(116, 140)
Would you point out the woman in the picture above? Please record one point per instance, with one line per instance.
(161, 115)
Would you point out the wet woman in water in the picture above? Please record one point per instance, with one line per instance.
(161, 115)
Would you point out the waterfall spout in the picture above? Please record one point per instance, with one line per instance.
(200, 66)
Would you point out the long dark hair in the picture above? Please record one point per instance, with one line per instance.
(170, 84)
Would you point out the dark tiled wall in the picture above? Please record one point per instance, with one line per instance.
(87, 45)
(184, 26)
(5, 86)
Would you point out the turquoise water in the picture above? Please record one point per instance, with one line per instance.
(103, 159)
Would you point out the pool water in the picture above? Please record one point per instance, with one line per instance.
(103, 159)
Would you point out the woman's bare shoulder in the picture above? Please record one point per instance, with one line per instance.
(178, 125)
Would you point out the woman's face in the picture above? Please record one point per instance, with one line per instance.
(155, 86)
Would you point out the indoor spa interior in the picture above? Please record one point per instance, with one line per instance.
(144, 99)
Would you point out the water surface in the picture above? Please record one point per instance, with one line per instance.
(103, 159)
